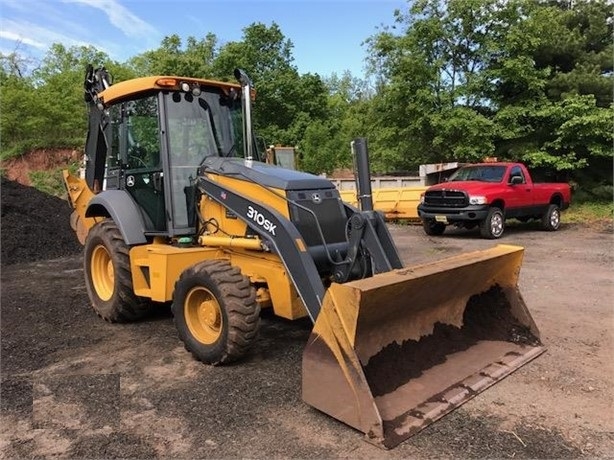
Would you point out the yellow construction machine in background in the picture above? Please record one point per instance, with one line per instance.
(396, 203)
(284, 156)
(175, 205)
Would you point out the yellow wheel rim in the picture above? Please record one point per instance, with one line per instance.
(102, 273)
(203, 315)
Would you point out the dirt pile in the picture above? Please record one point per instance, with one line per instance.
(33, 225)
(19, 168)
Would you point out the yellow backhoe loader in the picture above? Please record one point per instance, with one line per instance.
(174, 205)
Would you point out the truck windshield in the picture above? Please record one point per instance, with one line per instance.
(479, 173)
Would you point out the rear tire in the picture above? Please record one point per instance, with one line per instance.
(108, 278)
(551, 220)
(433, 228)
(216, 313)
(493, 226)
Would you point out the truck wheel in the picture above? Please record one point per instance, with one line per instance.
(108, 279)
(551, 220)
(493, 226)
(433, 228)
(216, 313)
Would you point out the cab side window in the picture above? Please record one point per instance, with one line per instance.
(142, 133)
(138, 136)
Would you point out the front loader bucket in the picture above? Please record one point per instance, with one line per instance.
(391, 354)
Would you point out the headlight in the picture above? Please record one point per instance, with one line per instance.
(477, 200)
(422, 198)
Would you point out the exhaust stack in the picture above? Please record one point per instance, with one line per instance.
(362, 173)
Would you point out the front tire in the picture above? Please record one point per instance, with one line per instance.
(215, 311)
(433, 228)
(493, 226)
(551, 220)
(108, 278)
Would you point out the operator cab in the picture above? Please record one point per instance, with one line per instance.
(157, 143)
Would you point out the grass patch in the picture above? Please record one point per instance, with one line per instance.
(52, 182)
(588, 212)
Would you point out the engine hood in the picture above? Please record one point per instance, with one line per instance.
(267, 175)
(471, 187)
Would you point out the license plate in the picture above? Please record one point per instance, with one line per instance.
(442, 219)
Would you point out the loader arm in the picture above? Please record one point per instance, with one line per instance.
(368, 232)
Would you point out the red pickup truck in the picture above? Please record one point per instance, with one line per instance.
(484, 195)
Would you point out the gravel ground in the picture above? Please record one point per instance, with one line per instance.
(75, 386)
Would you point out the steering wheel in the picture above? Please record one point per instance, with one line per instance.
(136, 161)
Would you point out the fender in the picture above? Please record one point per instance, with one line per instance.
(119, 206)
(559, 200)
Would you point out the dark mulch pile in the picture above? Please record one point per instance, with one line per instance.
(34, 225)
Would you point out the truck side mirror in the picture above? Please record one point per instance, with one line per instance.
(516, 180)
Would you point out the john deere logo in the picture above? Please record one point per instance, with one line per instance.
(316, 198)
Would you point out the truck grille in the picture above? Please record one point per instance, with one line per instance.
(446, 198)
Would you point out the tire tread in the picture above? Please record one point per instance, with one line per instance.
(127, 306)
(238, 300)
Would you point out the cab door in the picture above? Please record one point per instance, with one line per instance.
(189, 137)
(139, 147)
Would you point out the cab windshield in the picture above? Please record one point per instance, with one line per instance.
(209, 124)
(198, 126)
(478, 173)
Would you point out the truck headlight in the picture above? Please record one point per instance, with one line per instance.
(422, 198)
(477, 200)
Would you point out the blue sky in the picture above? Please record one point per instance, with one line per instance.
(327, 35)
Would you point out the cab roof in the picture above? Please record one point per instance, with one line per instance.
(491, 163)
(129, 88)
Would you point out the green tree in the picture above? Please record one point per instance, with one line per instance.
(344, 116)
(432, 103)
(553, 91)
(526, 80)
(17, 99)
(196, 58)
(59, 82)
(44, 108)
(286, 102)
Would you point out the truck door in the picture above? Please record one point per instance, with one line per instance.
(520, 197)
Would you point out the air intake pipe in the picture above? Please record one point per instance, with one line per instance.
(246, 100)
